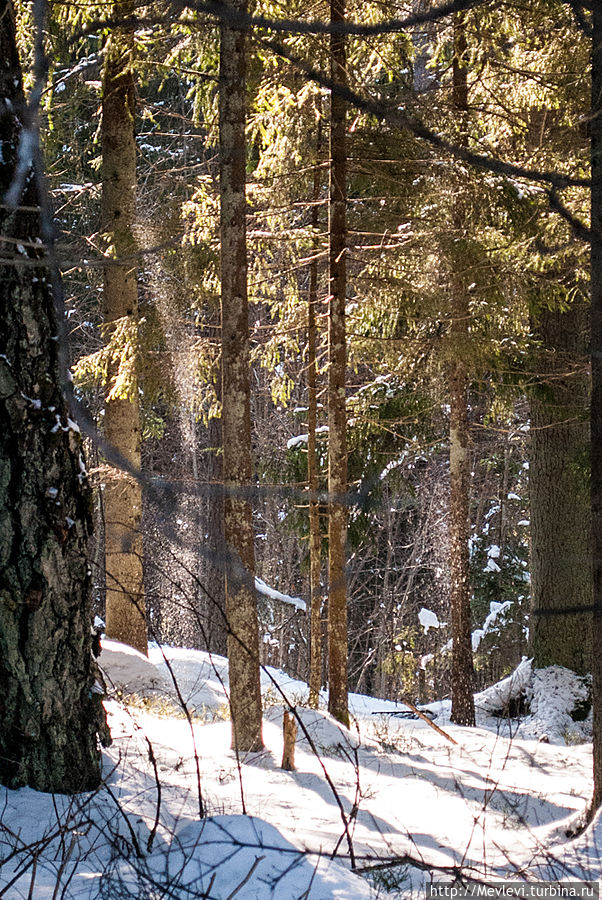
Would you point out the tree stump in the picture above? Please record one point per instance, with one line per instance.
(289, 730)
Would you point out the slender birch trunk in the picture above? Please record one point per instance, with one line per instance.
(337, 359)
(241, 601)
(125, 610)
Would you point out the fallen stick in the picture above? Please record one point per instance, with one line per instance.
(421, 715)
(459, 872)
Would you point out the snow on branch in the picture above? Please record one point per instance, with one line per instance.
(273, 594)
(429, 619)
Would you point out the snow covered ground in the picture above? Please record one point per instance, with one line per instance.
(496, 803)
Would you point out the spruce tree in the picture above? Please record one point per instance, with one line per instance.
(561, 536)
(596, 399)
(315, 537)
(125, 611)
(241, 603)
(462, 711)
(337, 360)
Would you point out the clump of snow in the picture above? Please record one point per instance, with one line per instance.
(553, 693)
(273, 594)
(392, 465)
(551, 696)
(493, 553)
(476, 637)
(496, 698)
(128, 669)
(495, 609)
(429, 619)
(299, 439)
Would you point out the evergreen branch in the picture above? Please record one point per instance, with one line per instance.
(239, 20)
(245, 21)
(579, 228)
(578, 10)
(395, 117)
(399, 119)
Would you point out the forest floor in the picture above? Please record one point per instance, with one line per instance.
(495, 805)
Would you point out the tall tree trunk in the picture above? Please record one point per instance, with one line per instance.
(462, 712)
(241, 601)
(49, 715)
(561, 554)
(212, 563)
(315, 538)
(596, 399)
(126, 619)
(337, 359)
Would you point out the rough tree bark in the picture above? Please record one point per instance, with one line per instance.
(241, 601)
(212, 567)
(125, 613)
(315, 538)
(49, 713)
(462, 712)
(337, 361)
(561, 554)
(596, 398)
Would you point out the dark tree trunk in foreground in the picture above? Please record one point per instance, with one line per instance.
(462, 711)
(337, 360)
(596, 400)
(241, 602)
(49, 715)
(126, 620)
(561, 552)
